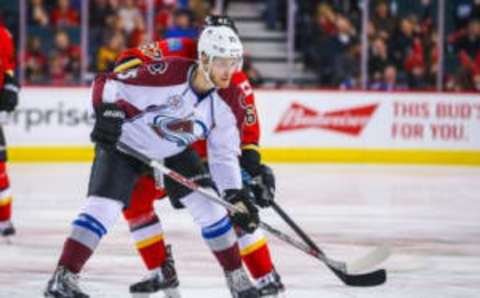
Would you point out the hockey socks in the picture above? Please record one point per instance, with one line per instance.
(5, 205)
(222, 240)
(255, 254)
(147, 233)
(5, 195)
(97, 216)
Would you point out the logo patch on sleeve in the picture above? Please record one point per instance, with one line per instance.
(174, 44)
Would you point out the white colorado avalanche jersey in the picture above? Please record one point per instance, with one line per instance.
(164, 115)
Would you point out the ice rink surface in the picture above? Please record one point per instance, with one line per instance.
(430, 216)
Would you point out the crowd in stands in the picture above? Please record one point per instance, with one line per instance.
(402, 49)
(53, 52)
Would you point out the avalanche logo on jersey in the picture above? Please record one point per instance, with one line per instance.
(157, 68)
(183, 132)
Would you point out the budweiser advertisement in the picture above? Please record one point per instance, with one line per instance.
(349, 121)
(369, 120)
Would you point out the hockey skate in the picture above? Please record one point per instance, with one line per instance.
(271, 285)
(64, 284)
(240, 285)
(165, 279)
(7, 229)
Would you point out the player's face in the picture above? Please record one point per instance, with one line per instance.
(223, 69)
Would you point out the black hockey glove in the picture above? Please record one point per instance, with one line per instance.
(248, 219)
(263, 187)
(258, 177)
(9, 94)
(108, 125)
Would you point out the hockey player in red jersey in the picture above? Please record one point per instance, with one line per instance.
(159, 109)
(144, 223)
(8, 101)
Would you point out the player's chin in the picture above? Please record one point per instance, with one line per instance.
(223, 83)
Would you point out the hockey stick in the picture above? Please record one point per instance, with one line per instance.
(369, 261)
(374, 278)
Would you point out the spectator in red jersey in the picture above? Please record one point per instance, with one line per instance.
(164, 18)
(64, 16)
(468, 48)
(138, 36)
(64, 60)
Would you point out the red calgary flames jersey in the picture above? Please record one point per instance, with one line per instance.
(187, 48)
(7, 53)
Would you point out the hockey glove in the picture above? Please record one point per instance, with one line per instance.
(258, 177)
(9, 94)
(108, 125)
(247, 219)
(263, 187)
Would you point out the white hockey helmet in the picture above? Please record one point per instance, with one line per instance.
(219, 41)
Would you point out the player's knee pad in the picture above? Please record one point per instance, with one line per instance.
(204, 212)
(105, 211)
(190, 165)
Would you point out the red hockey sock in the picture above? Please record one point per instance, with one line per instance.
(5, 209)
(257, 259)
(152, 252)
(147, 232)
(5, 195)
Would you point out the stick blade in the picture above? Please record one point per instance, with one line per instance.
(370, 279)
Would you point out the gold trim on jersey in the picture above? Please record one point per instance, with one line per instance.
(250, 147)
(127, 65)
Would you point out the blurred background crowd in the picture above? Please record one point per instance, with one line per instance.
(402, 36)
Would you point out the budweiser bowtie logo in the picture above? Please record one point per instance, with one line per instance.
(349, 121)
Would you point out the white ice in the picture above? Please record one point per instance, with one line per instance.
(430, 216)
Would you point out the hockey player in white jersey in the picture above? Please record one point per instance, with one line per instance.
(159, 109)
